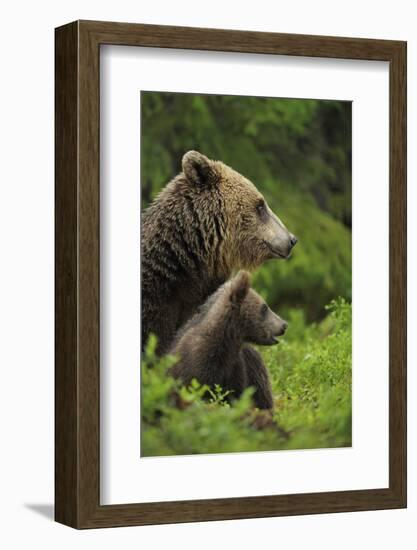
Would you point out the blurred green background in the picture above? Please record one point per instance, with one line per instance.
(298, 154)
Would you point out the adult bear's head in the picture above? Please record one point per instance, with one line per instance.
(231, 207)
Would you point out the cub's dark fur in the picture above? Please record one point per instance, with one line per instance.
(206, 223)
(212, 345)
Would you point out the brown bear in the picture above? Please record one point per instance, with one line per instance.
(211, 345)
(206, 223)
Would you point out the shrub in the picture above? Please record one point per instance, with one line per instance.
(311, 380)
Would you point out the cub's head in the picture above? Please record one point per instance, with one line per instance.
(257, 322)
(250, 232)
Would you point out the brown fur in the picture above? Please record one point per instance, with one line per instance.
(206, 223)
(211, 346)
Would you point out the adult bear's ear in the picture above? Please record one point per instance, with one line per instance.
(198, 169)
(240, 287)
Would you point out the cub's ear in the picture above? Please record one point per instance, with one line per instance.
(198, 169)
(240, 287)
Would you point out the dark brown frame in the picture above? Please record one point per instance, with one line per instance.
(77, 274)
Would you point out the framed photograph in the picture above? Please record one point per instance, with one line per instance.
(230, 274)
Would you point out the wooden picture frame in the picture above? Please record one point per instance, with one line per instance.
(77, 376)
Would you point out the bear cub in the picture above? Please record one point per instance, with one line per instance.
(212, 345)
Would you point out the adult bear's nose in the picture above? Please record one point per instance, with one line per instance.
(293, 240)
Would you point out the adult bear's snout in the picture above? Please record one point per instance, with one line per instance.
(280, 240)
(293, 240)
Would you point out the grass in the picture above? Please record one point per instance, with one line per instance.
(311, 379)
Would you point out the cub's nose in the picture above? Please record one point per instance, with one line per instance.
(283, 327)
(293, 240)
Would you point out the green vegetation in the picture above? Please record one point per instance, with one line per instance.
(311, 378)
(298, 154)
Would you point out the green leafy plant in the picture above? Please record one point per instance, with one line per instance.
(311, 380)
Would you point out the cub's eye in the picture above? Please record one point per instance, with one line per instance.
(264, 311)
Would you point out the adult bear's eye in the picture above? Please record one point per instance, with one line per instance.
(264, 311)
(261, 209)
